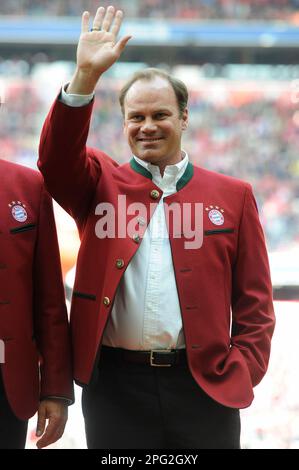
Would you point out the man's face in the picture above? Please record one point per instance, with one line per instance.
(152, 123)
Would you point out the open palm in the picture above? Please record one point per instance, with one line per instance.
(98, 49)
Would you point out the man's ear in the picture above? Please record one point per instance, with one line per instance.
(185, 119)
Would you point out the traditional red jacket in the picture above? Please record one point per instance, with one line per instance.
(224, 287)
(34, 329)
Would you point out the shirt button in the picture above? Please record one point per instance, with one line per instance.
(120, 263)
(3, 266)
(106, 301)
(136, 238)
(154, 194)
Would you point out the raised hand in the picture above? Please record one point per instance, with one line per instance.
(98, 49)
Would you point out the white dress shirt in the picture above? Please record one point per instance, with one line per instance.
(146, 312)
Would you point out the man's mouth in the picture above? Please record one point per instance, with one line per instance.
(150, 139)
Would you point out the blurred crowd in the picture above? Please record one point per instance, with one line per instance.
(253, 136)
(183, 9)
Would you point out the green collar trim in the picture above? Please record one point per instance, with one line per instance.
(140, 169)
(185, 178)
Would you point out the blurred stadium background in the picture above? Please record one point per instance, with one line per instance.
(239, 59)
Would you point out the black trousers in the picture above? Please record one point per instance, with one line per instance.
(13, 431)
(133, 406)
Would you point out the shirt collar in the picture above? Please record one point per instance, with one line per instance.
(171, 172)
(169, 183)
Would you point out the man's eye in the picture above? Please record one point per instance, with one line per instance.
(136, 118)
(160, 115)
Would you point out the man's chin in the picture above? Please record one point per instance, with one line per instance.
(150, 157)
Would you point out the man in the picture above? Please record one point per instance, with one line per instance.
(151, 315)
(35, 372)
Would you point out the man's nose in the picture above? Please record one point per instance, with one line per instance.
(148, 125)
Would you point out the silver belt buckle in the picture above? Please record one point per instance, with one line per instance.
(158, 351)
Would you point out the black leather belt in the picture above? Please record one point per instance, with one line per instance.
(154, 358)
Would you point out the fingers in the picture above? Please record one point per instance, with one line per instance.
(41, 420)
(97, 22)
(104, 20)
(56, 412)
(121, 44)
(85, 22)
(108, 18)
(117, 23)
(53, 432)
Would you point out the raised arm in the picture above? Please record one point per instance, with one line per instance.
(71, 170)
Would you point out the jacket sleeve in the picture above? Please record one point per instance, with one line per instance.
(70, 170)
(252, 307)
(51, 328)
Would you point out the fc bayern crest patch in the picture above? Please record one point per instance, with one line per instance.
(18, 211)
(215, 215)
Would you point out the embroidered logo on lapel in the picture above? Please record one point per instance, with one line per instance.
(215, 214)
(18, 211)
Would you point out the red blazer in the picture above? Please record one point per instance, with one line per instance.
(222, 285)
(33, 318)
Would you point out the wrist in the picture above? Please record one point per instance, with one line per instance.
(83, 82)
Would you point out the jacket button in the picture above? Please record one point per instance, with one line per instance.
(106, 301)
(3, 266)
(120, 263)
(136, 238)
(155, 194)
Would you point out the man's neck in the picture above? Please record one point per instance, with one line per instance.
(162, 165)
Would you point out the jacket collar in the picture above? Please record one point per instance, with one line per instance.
(142, 170)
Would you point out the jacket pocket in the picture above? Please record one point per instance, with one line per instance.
(24, 228)
(219, 231)
(82, 295)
